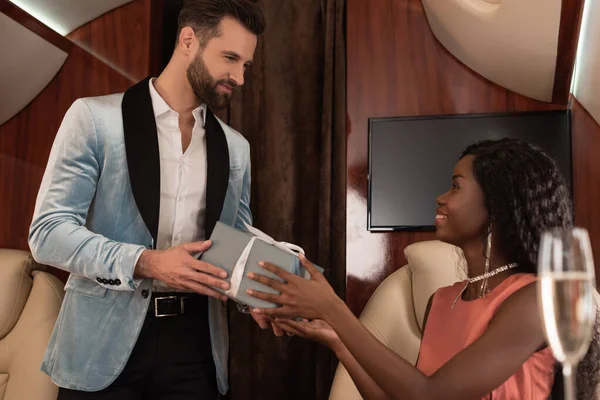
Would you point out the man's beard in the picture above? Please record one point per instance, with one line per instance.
(205, 86)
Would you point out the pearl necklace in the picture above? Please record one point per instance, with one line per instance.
(485, 276)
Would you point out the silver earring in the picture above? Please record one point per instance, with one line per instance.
(488, 253)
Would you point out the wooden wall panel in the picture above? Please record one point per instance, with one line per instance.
(568, 38)
(120, 38)
(586, 175)
(25, 141)
(396, 67)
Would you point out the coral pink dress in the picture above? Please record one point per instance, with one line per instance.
(448, 331)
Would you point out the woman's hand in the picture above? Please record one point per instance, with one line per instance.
(316, 330)
(312, 299)
(266, 322)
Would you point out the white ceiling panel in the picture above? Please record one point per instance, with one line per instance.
(28, 64)
(64, 16)
(513, 43)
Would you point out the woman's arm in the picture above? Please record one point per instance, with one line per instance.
(321, 332)
(368, 388)
(512, 337)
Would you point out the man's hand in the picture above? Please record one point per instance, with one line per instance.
(266, 322)
(177, 268)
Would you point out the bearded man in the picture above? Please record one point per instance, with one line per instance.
(134, 185)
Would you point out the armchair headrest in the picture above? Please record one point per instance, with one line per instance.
(16, 281)
(433, 264)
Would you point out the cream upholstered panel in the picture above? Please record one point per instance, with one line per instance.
(27, 65)
(390, 314)
(513, 43)
(22, 350)
(434, 264)
(587, 75)
(30, 301)
(15, 285)
(64, 16)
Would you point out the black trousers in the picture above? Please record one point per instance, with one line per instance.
(172, 360)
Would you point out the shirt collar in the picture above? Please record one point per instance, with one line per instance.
(160, 106)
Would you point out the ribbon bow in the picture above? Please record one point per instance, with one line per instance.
(240, 266)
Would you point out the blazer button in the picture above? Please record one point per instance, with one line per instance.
(117, 282)
(145, 293)
(99, 280)
(111, 282)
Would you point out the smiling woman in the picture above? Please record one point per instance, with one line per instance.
(460, 218)
(481, 340)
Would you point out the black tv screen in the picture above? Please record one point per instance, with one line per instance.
(411, 159)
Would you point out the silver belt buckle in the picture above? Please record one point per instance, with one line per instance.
(156, 314)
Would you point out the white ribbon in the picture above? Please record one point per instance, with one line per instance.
(237, 275)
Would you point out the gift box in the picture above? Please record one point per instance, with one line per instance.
(239, 251)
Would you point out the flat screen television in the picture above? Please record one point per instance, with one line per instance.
(411, 159)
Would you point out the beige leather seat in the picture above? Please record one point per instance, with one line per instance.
(30, 300)
(395, 312)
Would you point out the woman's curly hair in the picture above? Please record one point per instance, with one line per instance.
(526, 194)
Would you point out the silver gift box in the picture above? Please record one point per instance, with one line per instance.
(239, 251)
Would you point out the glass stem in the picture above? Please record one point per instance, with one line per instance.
(569, 375)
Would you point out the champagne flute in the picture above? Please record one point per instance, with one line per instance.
(566, 296)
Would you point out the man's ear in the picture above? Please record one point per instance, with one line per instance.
(187, 38)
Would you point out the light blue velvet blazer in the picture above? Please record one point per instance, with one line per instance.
(97, 210)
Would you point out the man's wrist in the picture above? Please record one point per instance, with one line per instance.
(143, 267)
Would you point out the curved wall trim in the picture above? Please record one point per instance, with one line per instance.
(64, 16)
(486, 6)
(586, 86)
(513, 43)
(32, 64)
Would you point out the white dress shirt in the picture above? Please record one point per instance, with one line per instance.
(182, 179)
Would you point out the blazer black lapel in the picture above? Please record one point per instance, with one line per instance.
(143, 158)
(217, 160)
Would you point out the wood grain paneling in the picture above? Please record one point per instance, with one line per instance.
(568, 38)
(396, 67)
(157, 28)
(586, 175)
(25, 141)
(120, 38)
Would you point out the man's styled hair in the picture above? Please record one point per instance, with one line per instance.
(204, 17)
